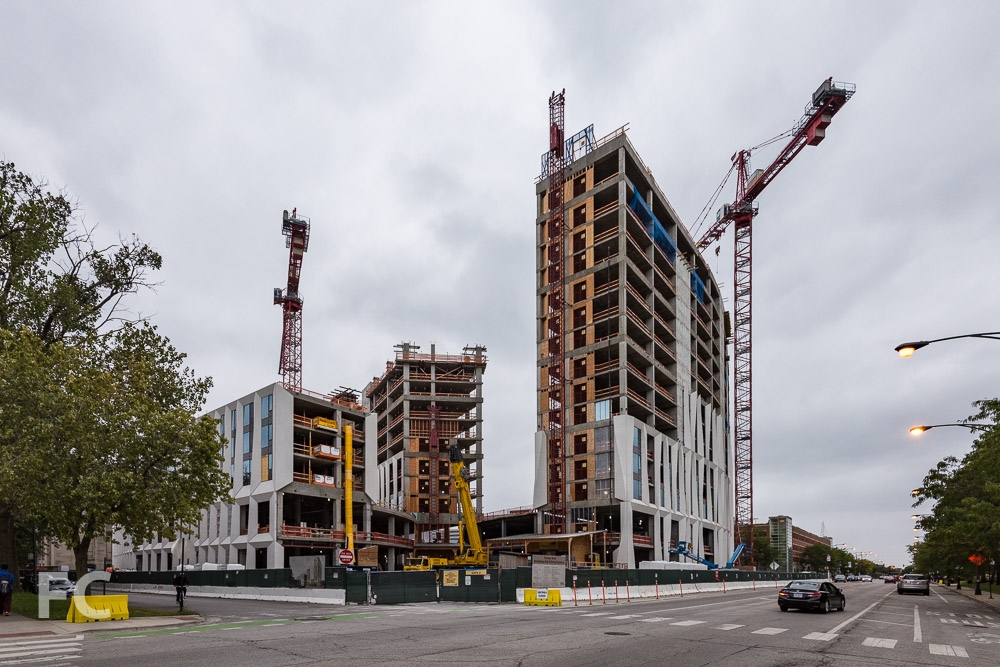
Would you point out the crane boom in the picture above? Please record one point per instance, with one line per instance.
(475, 555)
(810, 130)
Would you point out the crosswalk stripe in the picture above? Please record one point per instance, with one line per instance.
(686, 623)
(821, 636)
(38, 651)
(944, 649)
(42, 642)
(878, 642)
(653, 619)
(769, 631)
(728, 626)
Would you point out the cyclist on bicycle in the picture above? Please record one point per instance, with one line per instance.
(181, 584)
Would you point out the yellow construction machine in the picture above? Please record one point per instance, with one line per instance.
(468, 529)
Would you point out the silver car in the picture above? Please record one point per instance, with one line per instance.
(914, 583)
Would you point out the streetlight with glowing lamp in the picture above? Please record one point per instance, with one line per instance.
(917, 430)
(907, 349)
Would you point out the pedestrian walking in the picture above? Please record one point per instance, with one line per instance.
(6, 589)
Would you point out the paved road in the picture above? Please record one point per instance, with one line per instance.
(743, 629)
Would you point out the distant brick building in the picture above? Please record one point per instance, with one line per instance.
(788, 541)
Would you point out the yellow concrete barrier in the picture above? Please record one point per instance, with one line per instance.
(90, 608)
(534, 597)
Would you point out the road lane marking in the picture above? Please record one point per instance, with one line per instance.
(598, 613)
(944, 649)
(917, 635)
(728, 626)
(688, 623)
(769, 631)
(859, 614)
(878, 642)
(821, 636)
(759, 600)
(653, 619)
(622, 617)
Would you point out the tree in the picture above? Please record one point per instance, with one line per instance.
(815, 556)
(103, 435)
(965, 519)
(56, 282)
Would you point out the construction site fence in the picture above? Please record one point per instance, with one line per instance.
(277, 578)
(457, 585)
(611, 577)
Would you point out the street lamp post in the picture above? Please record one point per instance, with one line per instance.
(907, 349)
(917, 430)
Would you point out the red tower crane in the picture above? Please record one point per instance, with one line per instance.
(555, 296)
(808, 131)
(296, 233)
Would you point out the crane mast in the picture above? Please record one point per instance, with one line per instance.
(810, 130)
(296, 232)
(555, 314)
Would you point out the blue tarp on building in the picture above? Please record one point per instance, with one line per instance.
(698, 287)
(653, 227)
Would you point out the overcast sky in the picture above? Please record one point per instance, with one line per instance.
(410, 133)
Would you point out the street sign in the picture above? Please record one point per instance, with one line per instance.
(774, 565)
(346, 557)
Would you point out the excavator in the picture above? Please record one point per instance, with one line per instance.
(468, 529)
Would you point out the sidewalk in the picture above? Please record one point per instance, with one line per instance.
(14, 626)
(969, 591)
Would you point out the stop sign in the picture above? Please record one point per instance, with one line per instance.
(346, 556)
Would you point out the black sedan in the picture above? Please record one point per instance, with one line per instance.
(821, 595)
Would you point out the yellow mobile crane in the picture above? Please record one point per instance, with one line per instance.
(468, 528)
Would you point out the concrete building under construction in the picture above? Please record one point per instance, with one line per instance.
(632, 441)
(420, 405)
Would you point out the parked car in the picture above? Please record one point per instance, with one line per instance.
(819, 595)
(914, 583)
(62, 584)
(866, 577)
(839, 578)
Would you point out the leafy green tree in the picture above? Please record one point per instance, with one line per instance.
(965, 518)
(103, 434)
(814, 556)
(54, 279)
(763, 555)
(57, 283)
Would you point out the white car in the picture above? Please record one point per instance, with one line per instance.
(62, 584)
(866, 577)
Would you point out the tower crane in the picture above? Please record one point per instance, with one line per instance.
(296, 232)
(810, 130)
(555, 296)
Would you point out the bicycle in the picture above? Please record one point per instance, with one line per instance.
(181, 593)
